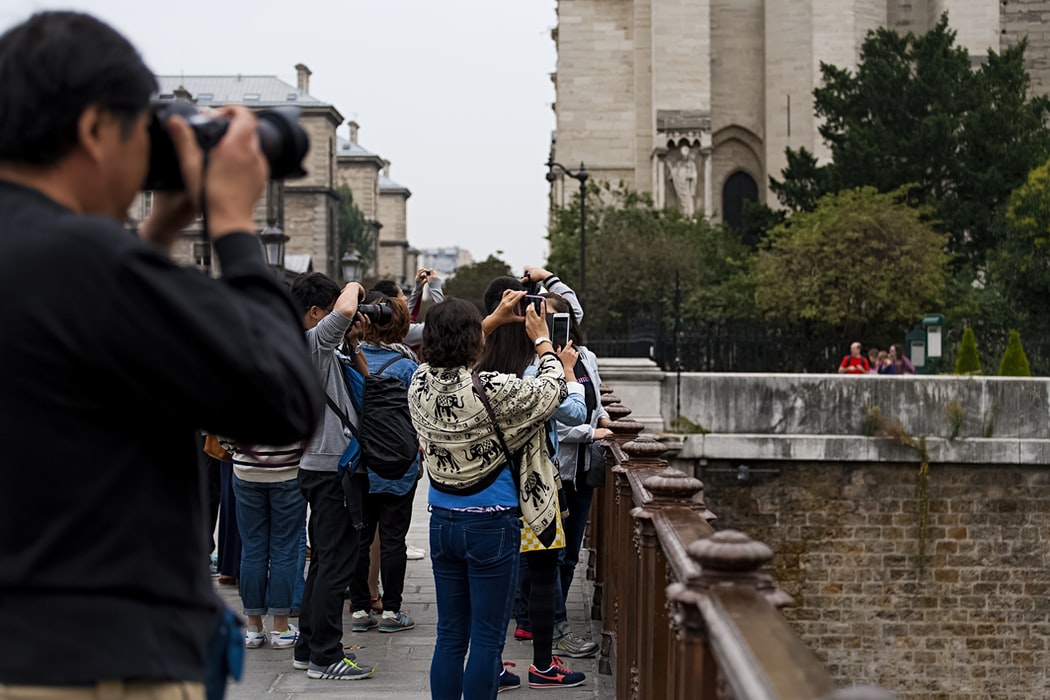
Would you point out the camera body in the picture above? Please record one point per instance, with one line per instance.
(378, 314)
(281, 139)
(529, 300)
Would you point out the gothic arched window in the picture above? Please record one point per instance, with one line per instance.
(739, 187)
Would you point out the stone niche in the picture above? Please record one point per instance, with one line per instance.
(682, 158)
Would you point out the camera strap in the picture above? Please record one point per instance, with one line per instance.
(204, 201)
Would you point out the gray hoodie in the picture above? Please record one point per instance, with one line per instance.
(328, 442)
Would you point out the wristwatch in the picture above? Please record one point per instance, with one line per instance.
(540, 341)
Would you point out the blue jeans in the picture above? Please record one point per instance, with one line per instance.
(270, 518)
(475, 561)
(300, 568)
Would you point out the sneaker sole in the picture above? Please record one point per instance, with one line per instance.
(282, 645)
(300, 665)
(254, 645)
(508, 687)
(544, 686)
(355, 628)
(399, 628)
(321, 676)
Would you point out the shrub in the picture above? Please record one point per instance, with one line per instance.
(968, 362)
(1014, 362)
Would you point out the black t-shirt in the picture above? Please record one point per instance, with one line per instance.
(111, 357)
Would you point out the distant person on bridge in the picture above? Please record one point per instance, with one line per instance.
(854, 362)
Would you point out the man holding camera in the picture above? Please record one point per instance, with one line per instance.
(113, 359)
(335, 498)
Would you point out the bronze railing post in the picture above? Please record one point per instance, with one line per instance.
(668, 489)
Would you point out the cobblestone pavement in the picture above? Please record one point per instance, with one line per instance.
(402, 660)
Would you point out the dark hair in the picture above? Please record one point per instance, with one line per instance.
(55, 65)
(387, 287)
(452, 335)
(508, 348)
(494, 292)
(556, 302)
(314, 289)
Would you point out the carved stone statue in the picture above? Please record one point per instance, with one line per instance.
(683, 179)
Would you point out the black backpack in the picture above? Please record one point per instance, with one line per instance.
(385, 435)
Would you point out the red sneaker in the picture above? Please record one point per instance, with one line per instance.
(522, 635)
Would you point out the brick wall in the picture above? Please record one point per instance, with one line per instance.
(974, 623)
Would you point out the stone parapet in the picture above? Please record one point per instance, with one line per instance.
(832, 404)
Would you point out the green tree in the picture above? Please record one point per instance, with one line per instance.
(917, 113)
(1020, 267)
(353, 230)
(634, 254)
(861, 259)
(470, 281)
(967, 362)
(1014, 362)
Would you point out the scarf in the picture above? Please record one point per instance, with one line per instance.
(460, 448)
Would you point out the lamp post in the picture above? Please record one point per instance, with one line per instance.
(581, 175)
(351, 265)
(273, 237)
(273, 240)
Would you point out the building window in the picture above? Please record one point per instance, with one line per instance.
(739, 187)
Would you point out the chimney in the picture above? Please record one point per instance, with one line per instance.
(303, 77)
(354, 126)
(182, 94)
(386, 168)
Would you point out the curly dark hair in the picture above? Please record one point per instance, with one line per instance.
(452, 335)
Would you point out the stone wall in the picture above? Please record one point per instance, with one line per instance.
(1021, 19)
(393, 243)
(968, 621)
(935, 586)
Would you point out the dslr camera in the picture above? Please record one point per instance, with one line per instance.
(378, 314)
(281, 139)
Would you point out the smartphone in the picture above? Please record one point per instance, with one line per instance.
(558, 325)
(529, 299)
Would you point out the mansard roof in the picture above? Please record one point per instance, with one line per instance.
(388, 185)
(250, 90)
(346, 147)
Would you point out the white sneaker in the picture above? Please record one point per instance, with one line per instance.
(283, 640)
(414, 552)
(253, 638)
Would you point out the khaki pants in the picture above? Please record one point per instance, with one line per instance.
(105, 690)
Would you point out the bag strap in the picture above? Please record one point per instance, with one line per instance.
(339, 412)
(480, 391)
(391, 361)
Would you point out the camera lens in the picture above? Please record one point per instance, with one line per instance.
(282, 140)
(378, 314)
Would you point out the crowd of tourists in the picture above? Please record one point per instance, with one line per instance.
(123, 369)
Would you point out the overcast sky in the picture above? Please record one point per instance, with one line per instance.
(455, 94)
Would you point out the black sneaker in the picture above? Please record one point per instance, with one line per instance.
(507, 680)
(345, 670)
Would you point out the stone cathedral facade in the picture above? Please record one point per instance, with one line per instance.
(695, 101)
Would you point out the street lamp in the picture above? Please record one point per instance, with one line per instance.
(273, 240)
(581, 175)
(351, 264)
